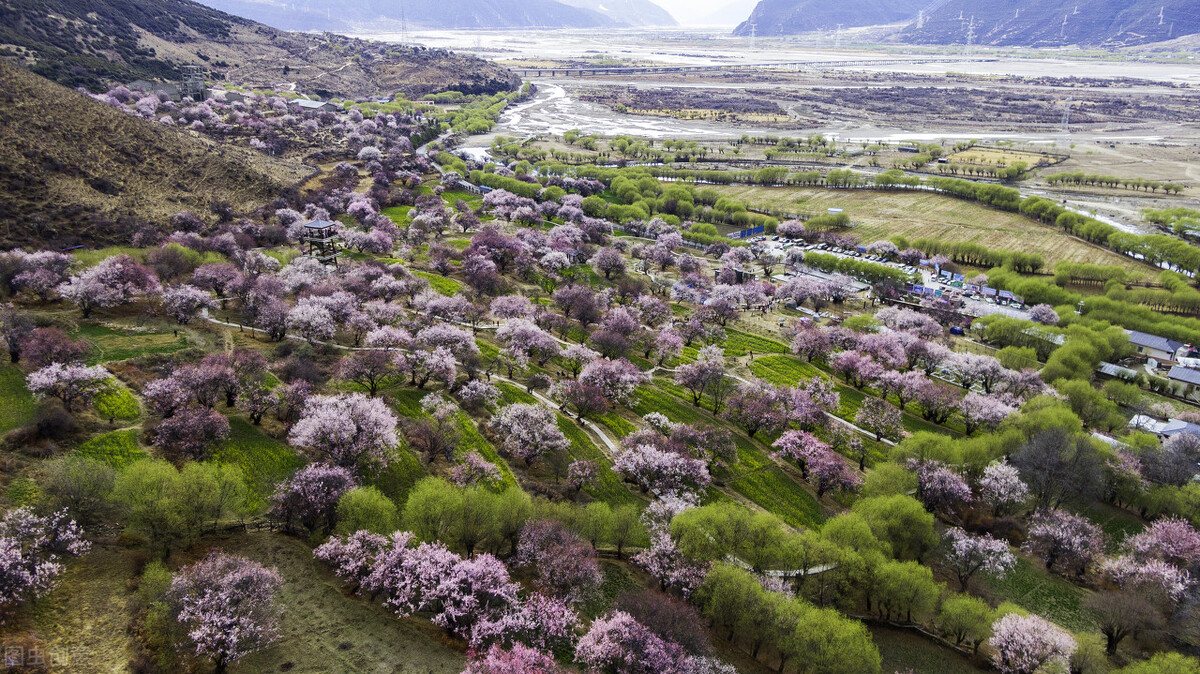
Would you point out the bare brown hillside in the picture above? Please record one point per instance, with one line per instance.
(74, 170)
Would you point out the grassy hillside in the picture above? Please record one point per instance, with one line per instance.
(72, 168)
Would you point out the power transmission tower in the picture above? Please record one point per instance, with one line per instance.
(1160, 15)
(970, 35)
(403, 26)
(1066, 118)
(920, 19)
(1062, 32)
(753, 34)
(837, 37)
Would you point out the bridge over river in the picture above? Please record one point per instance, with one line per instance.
(610, 71)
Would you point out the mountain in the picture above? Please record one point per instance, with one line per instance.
(1026, 23)
(787, 17)
(729, 15)
(351, 15)
(629, 12)
(73, 169)
(92, 43)
(1052, 23)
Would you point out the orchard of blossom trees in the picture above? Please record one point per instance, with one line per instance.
(495, 415)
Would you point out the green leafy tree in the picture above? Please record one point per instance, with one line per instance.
(366, 508)
(902, 522)
(966, 619)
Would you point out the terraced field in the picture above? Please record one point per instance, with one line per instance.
(882, 215)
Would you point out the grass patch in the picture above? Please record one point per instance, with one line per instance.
(755, 475)
(401, 473)
(607, 486)
(1038, 591)
(369, 637)
(511, 395)
(407, 402)
(470, 439)
(264, 460)
(902, 650)
(614, 581)
(117, 402)
(15, 399)
(91, 258)
(110, 345)
(442, 284)
(117, 448)
(451, 196)
(398, 214)
(1117, 523)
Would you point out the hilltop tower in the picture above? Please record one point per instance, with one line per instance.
(322, 240)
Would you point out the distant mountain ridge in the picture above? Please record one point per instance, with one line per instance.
(630, 12)
(1052, 23)
(1030, 23)
(787, 17)
(92, 43)
(391, 15)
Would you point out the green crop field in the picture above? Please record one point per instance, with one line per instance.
(616, 424)
(117, 402)
(738, 343)
(884, 214)
(116, 448)
(783, 370)
(15, 399)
